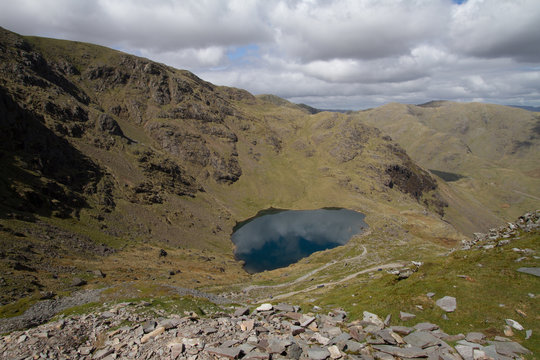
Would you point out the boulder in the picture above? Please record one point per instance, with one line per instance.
(447, 303)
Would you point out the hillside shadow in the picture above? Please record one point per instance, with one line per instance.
(42, 173)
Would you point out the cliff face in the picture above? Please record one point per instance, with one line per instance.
(106, 150)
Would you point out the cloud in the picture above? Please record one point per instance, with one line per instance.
(328, 53)
(494, 29)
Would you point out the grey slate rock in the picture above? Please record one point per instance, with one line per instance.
(294, 351)
(353, 346)
(509, 348)
(284, 307)
(425, 326)
(318, 353)
(230, 353)
(421, 339)
(408, 353)
(447, 303)
(402, 330)
(149, 326)
(475, 337)
(241, 312)
(530, 270)
(406, 316)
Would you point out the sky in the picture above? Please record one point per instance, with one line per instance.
(330, 54)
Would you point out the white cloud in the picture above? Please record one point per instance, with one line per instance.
(328, 53)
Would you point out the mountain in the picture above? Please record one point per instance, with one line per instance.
(109, 158)
(124, 178)
(488, 155)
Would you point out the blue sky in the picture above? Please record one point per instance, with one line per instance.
(348, 54)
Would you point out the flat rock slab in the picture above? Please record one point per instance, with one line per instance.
(447, 303)
(265, 307)
(530, 270)
(230, 353)
(509, 348)
(317, 353)
(425, 326)
(241, 311)
(284, 307)
(407, 353)
(421, 339)
(406, 316)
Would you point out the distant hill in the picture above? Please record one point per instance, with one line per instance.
(492, 150)
(529, 108)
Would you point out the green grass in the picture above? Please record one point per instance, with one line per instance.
(492, 292)
(18, 307)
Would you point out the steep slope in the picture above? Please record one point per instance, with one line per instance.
(487, 153)
(109, 158)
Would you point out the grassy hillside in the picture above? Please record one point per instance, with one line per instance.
(110, 158)
(492, 150)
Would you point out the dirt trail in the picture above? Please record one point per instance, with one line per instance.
(306, 276)
(346, 278)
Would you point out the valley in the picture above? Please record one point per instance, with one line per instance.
(126, 178)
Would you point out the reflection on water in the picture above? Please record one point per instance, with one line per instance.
(280, 238)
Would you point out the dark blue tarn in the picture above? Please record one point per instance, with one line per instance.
(277, 238)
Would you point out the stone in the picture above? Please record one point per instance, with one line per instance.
(265, 307)
(447, 303)
(430, 294)
(294, 351)
(317, 353)
(320, 339)
(101, 354)
(332, 331)
(382, 356)
(230, 353)
(530, 270)
(247, 325)
(99, 273)
(466, 352)
(169, 323)
(78, 282)
(385, 334)
(353, 346)
(421, 339)
(241, 311)
(295, 330)
(402, 330)
(334, 352)
(387, 320)
(284, 307)
(306, 320)
(340, 339)
(176, 350)
(257, 355)
(425, 326)
(372, 318)
(278, 346)
(149, 326)
(509, 348)
(528, 334)
(408, 353)
(85, 350)
(293, 315)
(357, 334)
(475, 337)
(406, 316)
(158, 331)
(514, 324)
(508, 331)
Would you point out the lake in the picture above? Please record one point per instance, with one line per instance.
(277, 238)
